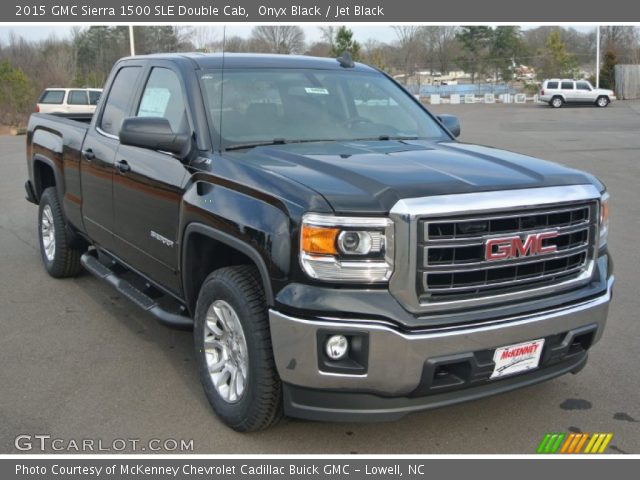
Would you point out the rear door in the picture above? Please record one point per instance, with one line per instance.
(78, 102)
(99, 153)
(568, 90)
(148, 189)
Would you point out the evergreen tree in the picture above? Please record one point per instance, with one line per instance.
(475, 42)
(344, 42)
(608, 71)
(557, 62)
(16, 95)
(506, 46)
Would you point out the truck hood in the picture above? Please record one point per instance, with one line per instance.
(363, 177)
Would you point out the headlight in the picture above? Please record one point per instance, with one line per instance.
(603, 225)
(346, 249)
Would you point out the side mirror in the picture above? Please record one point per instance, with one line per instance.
(154, 133)
(452, 123)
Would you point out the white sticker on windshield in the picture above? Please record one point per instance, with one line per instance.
(316, 90)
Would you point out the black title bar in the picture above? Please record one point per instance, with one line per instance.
(339, 11)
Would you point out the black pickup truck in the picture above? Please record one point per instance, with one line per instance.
(338, 254)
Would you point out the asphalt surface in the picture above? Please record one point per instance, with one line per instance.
(77, 361)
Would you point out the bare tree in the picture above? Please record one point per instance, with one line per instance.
(328, 34)
(622, 41)
(410, 46)
(280, 38)
(203, 37)
(441, 43)
(376, 53)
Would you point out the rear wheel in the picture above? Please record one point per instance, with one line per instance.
(556, 102)
(233, 349)
(602, 102)
(59, 258)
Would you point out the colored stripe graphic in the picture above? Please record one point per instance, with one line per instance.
(574, 442)
(592, 441)
(580, 443)
(551, 442)
(605, 442)
(557, 443)
(543, 443)
(570, 443)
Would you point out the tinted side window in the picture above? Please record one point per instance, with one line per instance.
(583, 86)
(94, 96)
(162, 97)
(552, 85)
(52, 97)
(567, 86)
(77, 97)
(117, 104)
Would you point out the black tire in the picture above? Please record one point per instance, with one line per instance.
(63, 260)
(602, 102)
(556, 102)
(260, 405)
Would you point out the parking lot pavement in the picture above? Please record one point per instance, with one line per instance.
(80, 362)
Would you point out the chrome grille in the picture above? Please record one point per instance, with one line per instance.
(451, 251)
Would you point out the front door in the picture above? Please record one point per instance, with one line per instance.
(148, 188)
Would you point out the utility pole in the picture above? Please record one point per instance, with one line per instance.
(132, 44)
(598, 56)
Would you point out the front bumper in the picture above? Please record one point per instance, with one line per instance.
(404, 372)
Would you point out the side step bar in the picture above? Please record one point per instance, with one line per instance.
(91, 263)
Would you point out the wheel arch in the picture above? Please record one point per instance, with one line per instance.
(199, 240)
(46, 174)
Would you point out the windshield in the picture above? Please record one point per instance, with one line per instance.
(260, 106)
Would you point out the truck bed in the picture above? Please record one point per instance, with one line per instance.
(78, 117)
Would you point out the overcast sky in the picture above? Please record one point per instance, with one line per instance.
(312, 32)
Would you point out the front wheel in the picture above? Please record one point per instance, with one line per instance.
(60, 259)
(602, 102)
(233, 350)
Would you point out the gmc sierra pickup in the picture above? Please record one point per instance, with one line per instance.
(338, 254)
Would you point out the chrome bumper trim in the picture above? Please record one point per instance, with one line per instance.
(396, 358)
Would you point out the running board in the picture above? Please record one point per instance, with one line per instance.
(91, 263)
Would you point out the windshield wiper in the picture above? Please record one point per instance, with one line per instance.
(282, 141)
(385, 137)
(275, 141)
(240, 146)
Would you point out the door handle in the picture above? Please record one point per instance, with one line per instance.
(88, 154)
(123, 166)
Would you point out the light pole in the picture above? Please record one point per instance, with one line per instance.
(598, 56)
(132, 44)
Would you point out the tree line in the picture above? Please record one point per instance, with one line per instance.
(85, 58)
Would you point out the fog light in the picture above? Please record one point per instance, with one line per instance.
(337, 347)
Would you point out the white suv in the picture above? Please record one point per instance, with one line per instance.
(557, 92)
(69, 100)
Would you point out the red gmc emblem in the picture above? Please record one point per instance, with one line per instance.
(514, 247)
